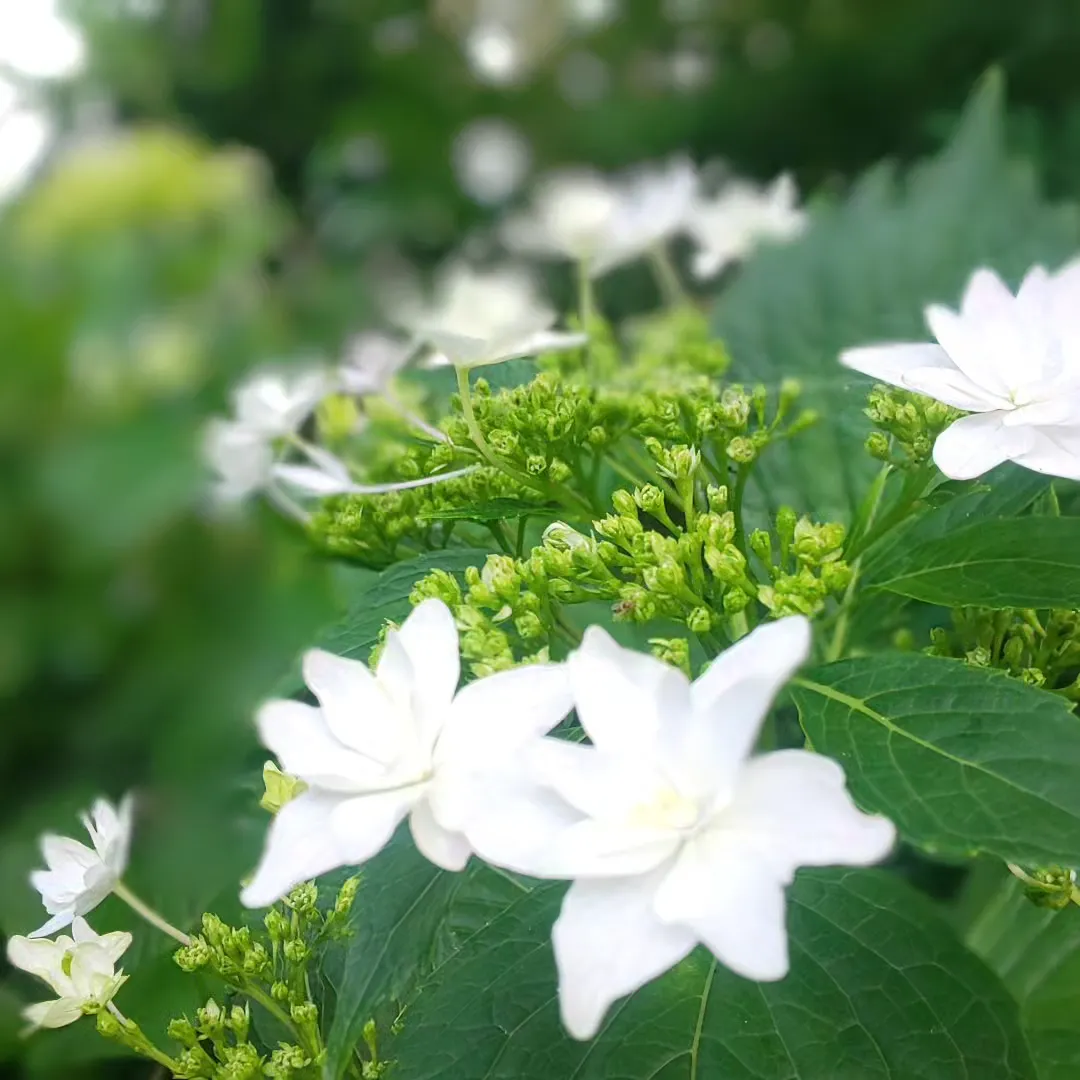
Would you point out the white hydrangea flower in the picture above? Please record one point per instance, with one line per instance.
(400, 741)
(78, 877)
(602, 223)
(740, 217)
(1013, 362)
(477, 318)
(275, 402)
(371, 362)
(673, 834)
(81, 971)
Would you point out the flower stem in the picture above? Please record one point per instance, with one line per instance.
(146, 912)
(667, 277)
(586, 305)
(136, 1039)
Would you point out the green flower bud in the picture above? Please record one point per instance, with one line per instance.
(727, 564)
(625, 504)
(683, 462)
(211, 1019)
(735, 600)
(668, 577)
(182, 1030)
(440, 585)
(529, 626)
(280, 788)
(597, 437)
(346, 896)
(761, 545)
(979, 656)
(1053, 887)
(279, 991)
(194, 956)
(287, 1058)
(110, 1027)
(741, 450)
(562, 537)
(805, 420)
(214, 930)
(296, 951)
(877, 446)
(735, 408)
(634, 605)
(304, 899)
(306, 1013)
(786, 522)
(1033, 677)
(559, 472)
(836, 576)
(277, 925)
(699, 621)
(718, 498)
(673, 651)
(651, 499)
(195, 1062)
(790, 391)
(240, 1022)
(536, 465)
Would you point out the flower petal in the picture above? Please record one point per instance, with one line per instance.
(300, 845)
(954, 388)
(430, 641)
(300, 738)
(730, 900)
(986, 296)
(491, 718)
(53, 1014)
(594, 783)
(534, 345)
(796, 807)
(38, 957)
(991, 351)
(63, 854)
(308, 480)
(973, 445)
(444, 848)
(1054, 451)
(57, 922)
(606, 849)
(608, 943)
(356, 707)
(891, 363)
(363, 826)
(730, 701)
(621, 694)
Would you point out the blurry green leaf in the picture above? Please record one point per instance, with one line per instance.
(863, 273)
(879, 989)
(962, 759)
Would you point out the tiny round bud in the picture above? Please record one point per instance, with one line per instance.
(741, 450)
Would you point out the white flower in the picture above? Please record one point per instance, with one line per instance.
(672, 832)
(371, 362)
(1011, 361)
(729, 226)
(80, 970)
(602, 223)
(276, 402)
(485, 317)
(78, 878)
(396, 742)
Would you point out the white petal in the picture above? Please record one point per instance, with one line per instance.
(57, 922)
(300, 846)
(1061, 409)
(53, 1014)
(363, 826)
(534, 345)
(1054, 451)
(62, 853)
(300, 738)
(594, 783)
(795, 806)
(731, 901)
(730, 702)
(607, 849)
(986, 295)
(38, 957)
(986, 350)
(493, 717)
(953, 387)
(356, 707)
(891, 363)
(621, 695)
(430, 640)
(608, 943)
(444, 848)
(974, 445)
(308, 480)
(462, 351)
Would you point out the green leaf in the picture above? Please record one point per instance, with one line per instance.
(384, 599)
(1027, 562)
(863, 273)
(963, 760)
(496, 510)
(879, 988)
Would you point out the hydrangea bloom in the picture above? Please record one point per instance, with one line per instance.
(1012, 362)
(78, 877)
(399, 741)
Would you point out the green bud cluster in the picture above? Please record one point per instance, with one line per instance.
(805, 565)
(1052, 887)
(1042, 648)
(906, 422)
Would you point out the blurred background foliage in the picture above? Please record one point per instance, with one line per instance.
(227, 182)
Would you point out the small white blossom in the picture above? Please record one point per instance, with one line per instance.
(80, 970)
(603, 223)
(398, 742)
(673, 833)
(78, 877)
(371, 362)
(485, 317)
(1013, 362)
(729, 226)
(276, 402)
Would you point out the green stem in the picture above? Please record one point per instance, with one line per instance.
(586, 300)
(145, 911)
(667, 277)
(136, 1040)
(257, 994)
(737, 507)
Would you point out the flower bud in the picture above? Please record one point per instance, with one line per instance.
(634, 604)
(727, 564)
(182, 1030)
(279, 991)
(346, 896)
(673, 651)
(735, 600)
(214, 930)
(563, 537)
(806, 419)
(683, 462)
(1033, 677)
(718, 498)
(536, 465)
(279, 788)
(625, 504)
(699, 621)
(836, 576)
(305, 1013)
(559, 471)
(109, 1026)
(194, 956)
(278, 927)
(786, 522)
(240, 1022)
(529, 626)
(741, 450)
(877, 446)
(651, 499)
(304, 899)
(296, 951)
(211, 1019)
(761, 545)
(734, 408)
(668, 577)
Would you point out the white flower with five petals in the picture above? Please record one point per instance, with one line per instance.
(479, 318)
(78, 877)
(81, 971)
(740, 217)
(672, 832)
(1012, 362)
(400, 741)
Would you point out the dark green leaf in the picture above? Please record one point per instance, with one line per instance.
(1027, 562)
(879, 988)
(963, 760)
(863, 273)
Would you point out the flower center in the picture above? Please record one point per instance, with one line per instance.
(667, 809)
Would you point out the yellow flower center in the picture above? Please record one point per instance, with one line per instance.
(667, 809)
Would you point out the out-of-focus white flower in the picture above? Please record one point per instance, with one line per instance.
(397, 742)
(81, 971)
(742, 216)
(1013, 362)
(491, 158)
(78, 877)
(673, 833)
(602, 223)
(478, 318)
(371, 362)
(275, 403)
